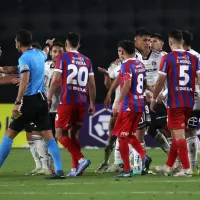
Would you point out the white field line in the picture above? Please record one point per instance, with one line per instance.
(14, 184)
(103, 193)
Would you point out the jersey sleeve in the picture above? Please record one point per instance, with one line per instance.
(91, 72)
(126, 72)
(197, 65)
(164, 66)
(24, 64)
(111, 72)
(59, 64)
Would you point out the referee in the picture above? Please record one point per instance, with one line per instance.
(31, 103)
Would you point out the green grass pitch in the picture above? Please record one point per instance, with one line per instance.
(14, 185)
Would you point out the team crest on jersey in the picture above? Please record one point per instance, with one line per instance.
(153, 63)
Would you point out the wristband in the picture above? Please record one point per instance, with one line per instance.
(153, 100)
(17, 102)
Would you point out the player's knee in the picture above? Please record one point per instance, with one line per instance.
(11, 133)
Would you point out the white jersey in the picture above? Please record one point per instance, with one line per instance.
(48, 76)
(114, 70)
(152, 64)
(197, 90)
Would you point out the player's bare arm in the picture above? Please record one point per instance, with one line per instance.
(158, 87)
(113, 87)
(107, 80)
(7, 79)
(8, 69)
(22, 89)
(92, 92)
(55, 83)
(49, 44)
(126, 87)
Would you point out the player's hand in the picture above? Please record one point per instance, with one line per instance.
(16, 81)
(91, 110)
(153, 105)
(102, 70)
(115, 109)
(107, 101)
(50, 42)
(49, 101)
(16, 111)
(160, 98)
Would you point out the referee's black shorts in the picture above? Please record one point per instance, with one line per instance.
(34, 109)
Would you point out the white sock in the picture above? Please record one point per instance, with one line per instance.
(161, 139)
(137, 160)
(117, 155)
(41, 150)
(131, 154)
(192, 143)
(35, 155)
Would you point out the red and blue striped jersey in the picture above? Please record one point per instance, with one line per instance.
(180, 67)
(75, 69)
(133, 70)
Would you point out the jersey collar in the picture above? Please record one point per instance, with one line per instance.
(73, 51)
(129, 59)
(178, 49)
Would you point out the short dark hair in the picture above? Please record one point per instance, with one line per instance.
(187, 37)
(127, 45)
(176, 35)
(142, 32)
(73, 38)
(36, 45)
(24, 37)
(157, 35)
(58, 43)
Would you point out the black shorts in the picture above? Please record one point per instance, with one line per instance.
(194, 119)
(159, 118)
(34, 109)
(31, 127)
(145, 119)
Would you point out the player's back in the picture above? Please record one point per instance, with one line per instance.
(133, 70)
(181, 68)
(76, 69)
(35, 60)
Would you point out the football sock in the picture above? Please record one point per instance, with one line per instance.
(172, 154)
(124, 151)
(41, 150)
(183, 153)
(55, 153)
(5, 148)
(35, 155)
(137, 145)
(117, 155)
(192, 143)
(162, 141)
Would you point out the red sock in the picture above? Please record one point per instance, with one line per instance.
(173, 153)
(183, 153)
(70, 145)
(74, 160)
(137, 145)
(124, 151)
